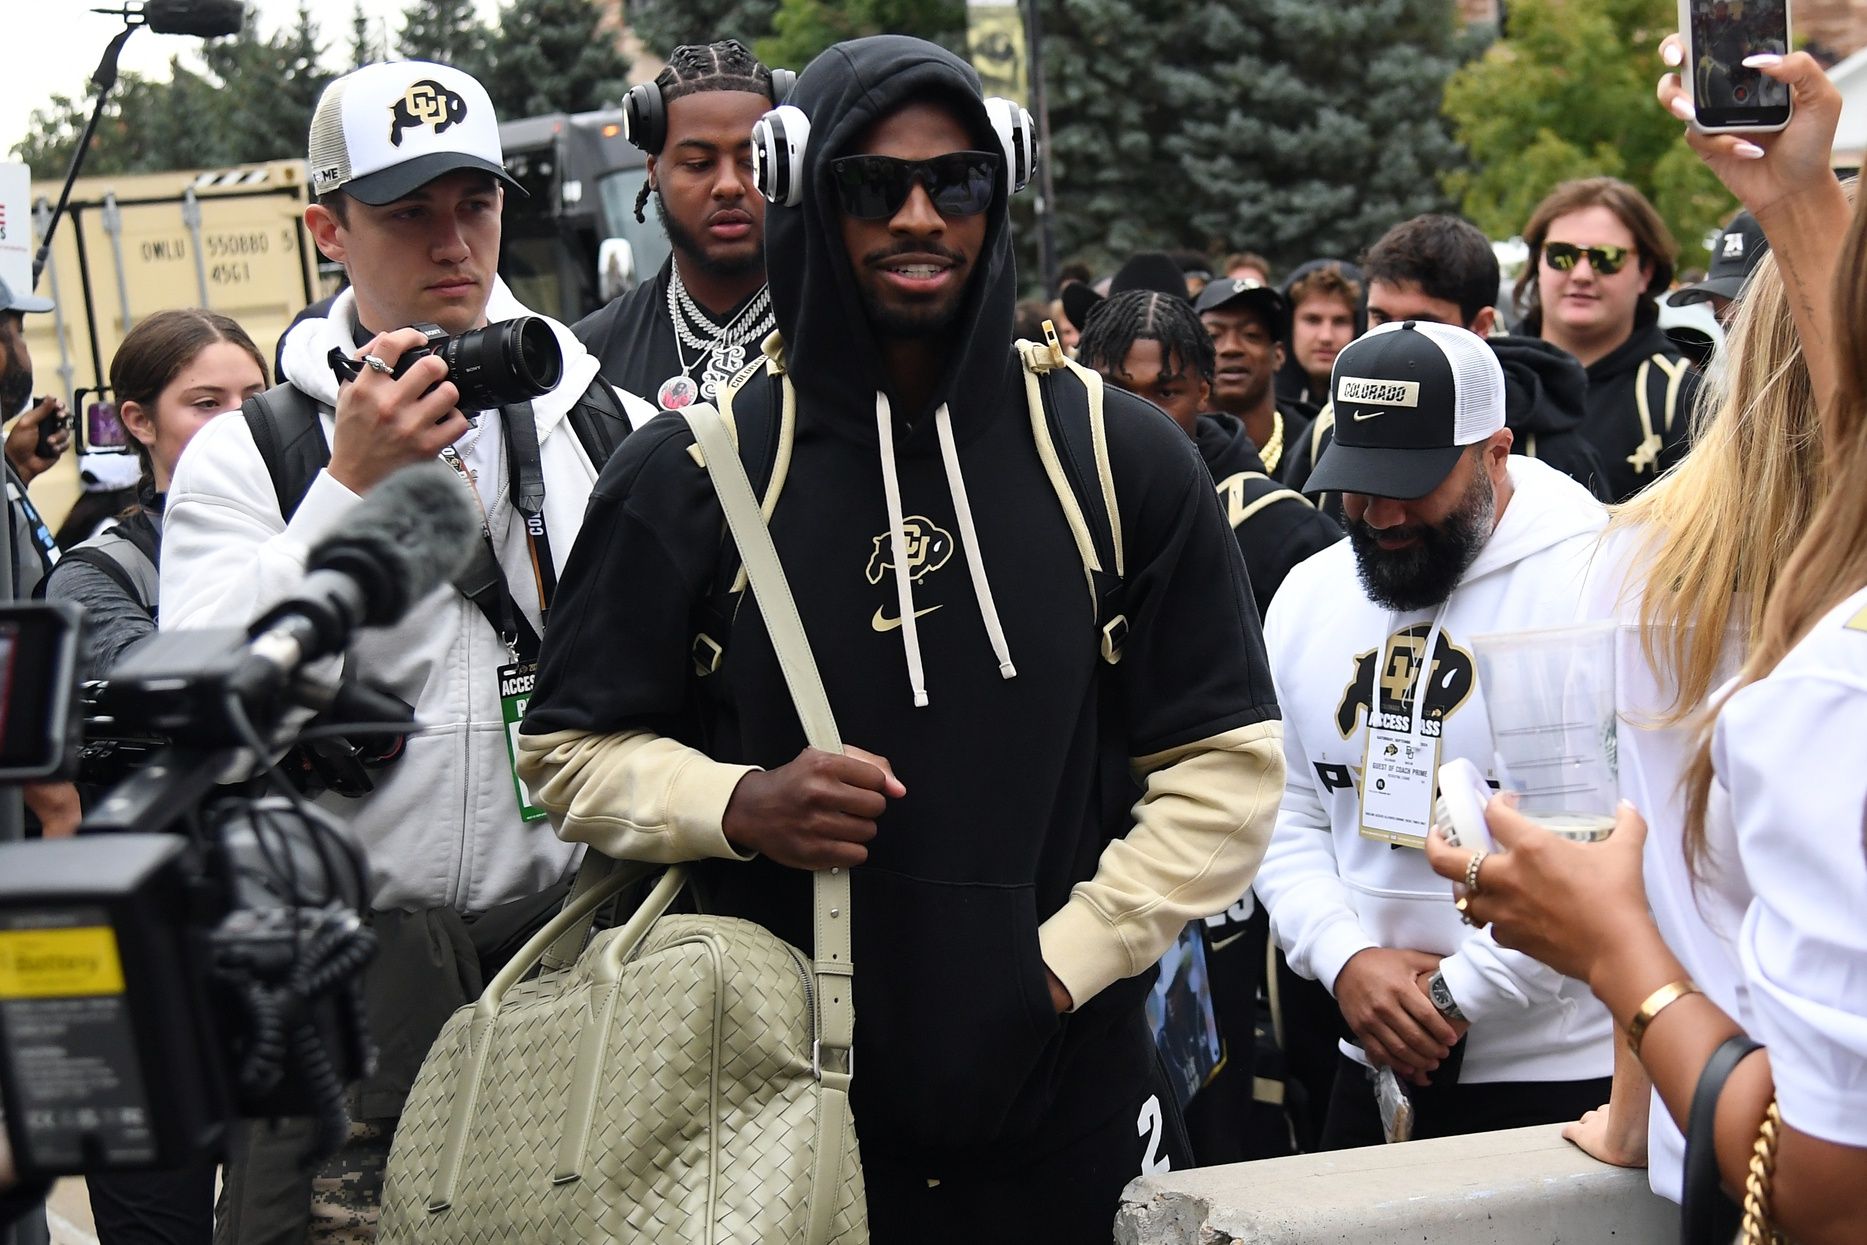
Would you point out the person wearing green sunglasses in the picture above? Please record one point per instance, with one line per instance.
(1599, 256)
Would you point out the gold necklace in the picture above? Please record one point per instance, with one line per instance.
(1273, 449)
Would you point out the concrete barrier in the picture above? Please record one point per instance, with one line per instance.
(1524, 1186)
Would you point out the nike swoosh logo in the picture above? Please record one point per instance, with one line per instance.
(1359, 416)
(881, 622)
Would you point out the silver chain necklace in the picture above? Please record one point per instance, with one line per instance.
(722, 349)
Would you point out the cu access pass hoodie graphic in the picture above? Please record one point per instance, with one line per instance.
(1020, 844)
(1339, 659)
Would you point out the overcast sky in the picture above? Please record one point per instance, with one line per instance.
(63, 40)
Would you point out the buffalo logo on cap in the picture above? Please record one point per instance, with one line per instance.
(425, 103)
(1734, 245)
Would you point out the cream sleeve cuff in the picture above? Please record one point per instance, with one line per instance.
(1200, 831)
(632, 795)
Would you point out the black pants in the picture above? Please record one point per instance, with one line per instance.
(1448, 1109)
(1067, 1196)
(154, 1208)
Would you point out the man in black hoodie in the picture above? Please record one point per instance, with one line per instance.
(1152, 344)
(1599, 254)
(1010, 893)
(1441, 268)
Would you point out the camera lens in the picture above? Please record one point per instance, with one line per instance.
(502, 364)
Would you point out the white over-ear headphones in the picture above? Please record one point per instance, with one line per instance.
(782, 135)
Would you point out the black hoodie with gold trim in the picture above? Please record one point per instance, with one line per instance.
(1021, 843)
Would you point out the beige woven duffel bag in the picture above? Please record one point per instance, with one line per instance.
(683, 1079)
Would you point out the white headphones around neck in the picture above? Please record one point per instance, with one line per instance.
(782, 135)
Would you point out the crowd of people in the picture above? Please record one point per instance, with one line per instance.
(1293, 506)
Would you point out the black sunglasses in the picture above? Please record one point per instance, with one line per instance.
(1605, 260)
(960, 183)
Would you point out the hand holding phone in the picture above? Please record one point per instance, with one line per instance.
(50, 426)
(1720, 36)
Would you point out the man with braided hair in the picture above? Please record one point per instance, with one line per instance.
(1153, 345)
(678, 338)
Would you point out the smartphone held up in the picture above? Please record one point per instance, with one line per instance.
(1719, 36)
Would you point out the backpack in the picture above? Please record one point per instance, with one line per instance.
(290, 436)
(127, 551)
(1064, 400)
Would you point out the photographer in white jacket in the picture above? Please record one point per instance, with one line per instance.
(1450, 536)
(406, 164)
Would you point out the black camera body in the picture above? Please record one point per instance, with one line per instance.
(502, 364)
(196, 955)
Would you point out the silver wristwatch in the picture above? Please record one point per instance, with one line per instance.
(1441, 995)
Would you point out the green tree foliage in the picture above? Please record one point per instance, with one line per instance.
(549, 56)
(250, 101)
(663, 25)
(803, 28)
(447, 31)
(1570, 94)
(1290, 127)
(366, 38)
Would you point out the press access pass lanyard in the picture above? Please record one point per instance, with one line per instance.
(519, 432)
(1400, 770)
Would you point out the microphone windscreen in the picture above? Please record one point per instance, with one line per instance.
(414, 532)
(208, 19)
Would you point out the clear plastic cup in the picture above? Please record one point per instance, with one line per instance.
(1550, 697)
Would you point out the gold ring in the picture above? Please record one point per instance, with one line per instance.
(1463, 904)
(1471, 870)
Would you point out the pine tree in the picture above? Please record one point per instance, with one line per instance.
(446, 31)
(1570, 94)
(366, 43)
(803, 28)
(1290, 127)
(663, 25)
(550, 56)
(268, 89)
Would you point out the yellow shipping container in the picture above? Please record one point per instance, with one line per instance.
(231, 240)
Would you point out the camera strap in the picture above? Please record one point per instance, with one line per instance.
(520, 429)
(484, 583)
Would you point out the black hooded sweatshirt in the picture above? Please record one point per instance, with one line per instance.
(1015, 785)
(1276, 527)
(1545, 399)
(1295, 390)
(1635, 451)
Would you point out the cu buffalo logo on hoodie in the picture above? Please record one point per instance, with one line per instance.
(1393, 673)
(425, 103)
(927, 548)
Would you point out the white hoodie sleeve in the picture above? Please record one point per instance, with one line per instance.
(1487, 980)
(226, 553)
(1299, 883)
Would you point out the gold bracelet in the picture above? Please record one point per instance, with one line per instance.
(1657, 1002)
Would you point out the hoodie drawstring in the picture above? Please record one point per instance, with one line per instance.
(897, 543)
(975, 557)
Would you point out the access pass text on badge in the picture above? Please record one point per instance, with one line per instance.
(1397, 778)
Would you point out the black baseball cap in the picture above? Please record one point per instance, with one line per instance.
(1148, 270)
(1261, 298)
(1409, 398)
(1734, 256)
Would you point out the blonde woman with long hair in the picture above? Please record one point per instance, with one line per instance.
(1758, 892)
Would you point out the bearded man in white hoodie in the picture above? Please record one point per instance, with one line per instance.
(407, 167)
(1450, 536)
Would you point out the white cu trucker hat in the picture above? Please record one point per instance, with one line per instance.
(387, 129)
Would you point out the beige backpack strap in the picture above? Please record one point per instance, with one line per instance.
(832, 1060)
